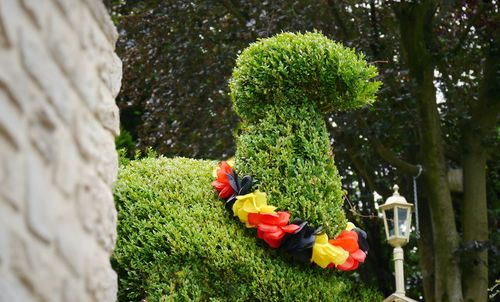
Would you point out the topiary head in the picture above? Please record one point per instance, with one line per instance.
(292, 69)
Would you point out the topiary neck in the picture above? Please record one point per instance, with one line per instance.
(288, 152)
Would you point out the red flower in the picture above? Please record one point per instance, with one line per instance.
(221, 184)
(272, 227)
(348, 240)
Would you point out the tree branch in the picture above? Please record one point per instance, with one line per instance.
(391, 158)
(387, 155)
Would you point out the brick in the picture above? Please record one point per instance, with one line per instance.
(74, 291)
(18, 254)
(5, 40)
(61, 44)
(72, 245)
(42, 125)
(9, 12)
(101, 278)
(96, 210)
(67, 164)
(111, 73)
(37, 63)
(35, 10)
(92, 39)
(72, 11)
(64, 48)
(103, 19)
(87, 193)
(11, 163)
(39, 199)
(12, 176)
(88, 133)
(15, 82)
(107, 111)
(36, 268)
(13, 291)
(105, 229)
(107, 160)
(11, 123)
(86, 81)
(4, 255)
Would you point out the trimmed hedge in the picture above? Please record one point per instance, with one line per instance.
(288, 152)
(177, 242)
(293, 69)
(281, 88)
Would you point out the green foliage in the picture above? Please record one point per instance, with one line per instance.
(177, 242)
(281, 87)
(293, 69)
(288, 152)
(126, 142)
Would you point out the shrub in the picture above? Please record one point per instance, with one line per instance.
(177, 242)
(288, 152)
(281, 88)
(289, 70)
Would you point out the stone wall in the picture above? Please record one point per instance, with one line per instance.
(59, 76)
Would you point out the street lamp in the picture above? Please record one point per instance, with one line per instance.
(397, 222)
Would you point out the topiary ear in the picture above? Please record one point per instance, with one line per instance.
(291, 69)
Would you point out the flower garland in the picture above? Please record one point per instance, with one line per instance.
(297, 238)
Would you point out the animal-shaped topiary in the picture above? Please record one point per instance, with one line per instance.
(176, 241)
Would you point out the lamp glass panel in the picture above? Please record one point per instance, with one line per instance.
(389, 217)
(402, 219)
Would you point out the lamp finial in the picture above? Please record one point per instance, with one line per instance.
(395, 188)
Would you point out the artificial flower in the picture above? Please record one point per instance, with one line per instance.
(362, 239)
(222, 184)
(255, 202)
(298, 239)
(272, 227)
(299, 244)
(348, 240)
(231, 162)
(324, 253)
(240, 187)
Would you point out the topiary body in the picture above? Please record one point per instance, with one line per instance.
(176, 241)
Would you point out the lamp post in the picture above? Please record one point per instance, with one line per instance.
(397, 222)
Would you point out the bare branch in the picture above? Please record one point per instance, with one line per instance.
(390, 157)
(387, 154)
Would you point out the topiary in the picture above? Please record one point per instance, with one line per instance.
(293, 70)
(281, 88)
(176, 240)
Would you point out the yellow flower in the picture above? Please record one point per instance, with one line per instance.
(350, 226)
(231, 162)
(255, 202)
(324, 253)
